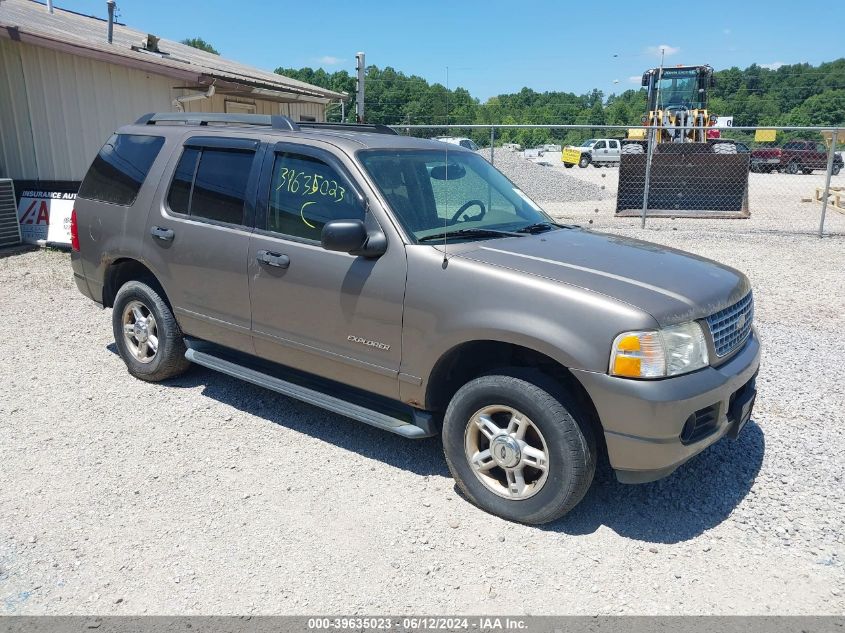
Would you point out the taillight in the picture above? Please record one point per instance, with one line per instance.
(74, 231)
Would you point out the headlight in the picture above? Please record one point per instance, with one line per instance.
(659, 353)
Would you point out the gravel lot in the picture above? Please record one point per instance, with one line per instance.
(544, 184)
(205, 495)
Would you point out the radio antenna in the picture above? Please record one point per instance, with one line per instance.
(446, 203)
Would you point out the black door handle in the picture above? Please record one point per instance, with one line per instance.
(160, 233)
(273, 259)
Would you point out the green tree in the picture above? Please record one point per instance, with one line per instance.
(797, 94)
(827, 108)
(198, 42)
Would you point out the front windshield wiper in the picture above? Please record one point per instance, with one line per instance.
(469, 233)
(538, 227)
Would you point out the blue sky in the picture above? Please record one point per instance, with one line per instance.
(495, 46)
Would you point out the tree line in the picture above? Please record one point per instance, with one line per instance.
(793, 94)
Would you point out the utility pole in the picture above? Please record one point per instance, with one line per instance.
(359, 97)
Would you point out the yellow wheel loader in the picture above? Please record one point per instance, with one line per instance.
(692, 169)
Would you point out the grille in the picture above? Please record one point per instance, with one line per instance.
(730, 327)
(700, 424)
(9, 228)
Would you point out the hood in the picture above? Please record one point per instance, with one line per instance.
(671, 285)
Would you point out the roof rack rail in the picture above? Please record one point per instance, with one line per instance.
(351, 127)
(277, 122)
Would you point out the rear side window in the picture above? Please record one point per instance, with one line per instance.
(211, 184)
(119, 170)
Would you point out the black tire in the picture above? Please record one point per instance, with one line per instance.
(723, 148)
(584, 161)
(568, 165)
(836, 169)
(168, 360)
(567, 434)
(807, 171)
(793, 167)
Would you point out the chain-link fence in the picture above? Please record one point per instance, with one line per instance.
(785, 180)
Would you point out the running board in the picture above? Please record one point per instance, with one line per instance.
(424, 426)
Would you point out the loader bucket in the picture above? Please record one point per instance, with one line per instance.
(687, 180)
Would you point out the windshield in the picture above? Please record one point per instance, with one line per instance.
(589, 142)
(429, 196)
(679, 89)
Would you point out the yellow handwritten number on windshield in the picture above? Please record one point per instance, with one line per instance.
(298, 182)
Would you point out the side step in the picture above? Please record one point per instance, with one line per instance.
(423, 427)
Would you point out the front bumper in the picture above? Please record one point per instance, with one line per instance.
(643, 420)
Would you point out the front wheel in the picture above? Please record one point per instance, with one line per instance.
(516, 450)
(568, 165)
(146, 333)
(836, 169)
(584, 162)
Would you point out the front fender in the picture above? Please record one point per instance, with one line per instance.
(471, 301)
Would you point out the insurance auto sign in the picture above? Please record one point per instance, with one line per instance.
(44, 216)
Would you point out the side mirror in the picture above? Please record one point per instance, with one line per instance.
(351, 236)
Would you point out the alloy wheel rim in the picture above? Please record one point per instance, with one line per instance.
(140, 331)
(507, 452)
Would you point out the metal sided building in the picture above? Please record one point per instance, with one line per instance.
(66, 85)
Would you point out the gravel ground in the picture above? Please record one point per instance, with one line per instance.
(206, 495)
(543, 183)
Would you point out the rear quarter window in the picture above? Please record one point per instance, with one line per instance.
(120, 168)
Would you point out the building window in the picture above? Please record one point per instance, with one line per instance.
(307, 119)
(234, 107)
(119, 170)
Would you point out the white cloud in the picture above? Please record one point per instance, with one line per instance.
(330, 60)
(635, 79)
(669, 50)
(772, 66)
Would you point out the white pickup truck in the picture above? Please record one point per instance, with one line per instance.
(598, 152)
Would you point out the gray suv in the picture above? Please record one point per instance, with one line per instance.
(408, 284)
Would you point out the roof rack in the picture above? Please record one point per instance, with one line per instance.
(277, 122)
(351, 127)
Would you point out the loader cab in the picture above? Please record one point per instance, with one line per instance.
(678, 87)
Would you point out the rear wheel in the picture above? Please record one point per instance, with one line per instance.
(836, 169)
(793, 167)
(516, 450)
(146, 333)
(806, 171)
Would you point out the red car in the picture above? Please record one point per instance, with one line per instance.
(794, 157)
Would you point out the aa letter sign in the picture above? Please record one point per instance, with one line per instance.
(45, 216)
